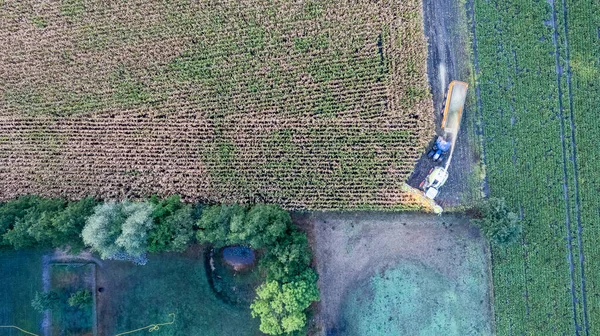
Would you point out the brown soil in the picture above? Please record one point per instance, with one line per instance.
(349, 247)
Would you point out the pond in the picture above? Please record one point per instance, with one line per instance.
(239, 257)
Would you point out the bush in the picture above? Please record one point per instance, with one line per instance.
(44, 301)
(496, 221)
(81, 299)
(281, 307)
(173, 225)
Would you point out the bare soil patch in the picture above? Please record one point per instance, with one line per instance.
(352, 247)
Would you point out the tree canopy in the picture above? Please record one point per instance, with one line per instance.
(281, 307)
(496, 221)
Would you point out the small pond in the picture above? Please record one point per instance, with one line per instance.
(232, 274)
(239, 257)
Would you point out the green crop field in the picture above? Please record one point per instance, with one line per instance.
(309, 104)
(538, 67)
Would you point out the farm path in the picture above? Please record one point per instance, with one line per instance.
(351, 247)
(447, 60)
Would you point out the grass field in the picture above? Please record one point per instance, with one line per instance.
(21, 279)
(299, 103)
(414, 299)
(132, 297)
(136, 296)
(539, 80)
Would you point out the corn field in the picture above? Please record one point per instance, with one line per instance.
(312, 105)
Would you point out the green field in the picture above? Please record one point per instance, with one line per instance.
(539, 79)
(133, 297)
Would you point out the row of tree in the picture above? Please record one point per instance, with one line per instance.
(128, 229)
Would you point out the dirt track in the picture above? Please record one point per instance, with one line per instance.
(350, 247)
(447, 60)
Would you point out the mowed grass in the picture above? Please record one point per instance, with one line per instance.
(310, 104)
(21, 278)
(137, 296)
(540, 87)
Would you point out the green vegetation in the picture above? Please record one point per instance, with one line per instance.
(496, 221)
(282, 307)
(45, 301)
(173, 227)
(81, 299)
(128, 230)
(286, 261)
(540, 90)
(31, 220)
(119, 228)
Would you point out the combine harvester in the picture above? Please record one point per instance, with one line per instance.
(453, 110)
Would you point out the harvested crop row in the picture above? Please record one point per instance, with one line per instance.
(313, 105)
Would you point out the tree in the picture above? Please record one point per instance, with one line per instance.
(32, 225)
(281, 307)
(496, 221)
(134, 231)
(35, 221)
(262, 226)
(173, 225)
(119, 228)
(11, 211)
(81, 299)
(215, 224)
(103, 228)
(44, 301)
(68, 224)
(287, 258)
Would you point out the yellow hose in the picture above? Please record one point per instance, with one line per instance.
(19, 329)
(151, 328)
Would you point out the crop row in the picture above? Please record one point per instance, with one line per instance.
(319, 104)
(534, 160)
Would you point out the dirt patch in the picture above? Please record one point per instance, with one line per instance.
(352, 247)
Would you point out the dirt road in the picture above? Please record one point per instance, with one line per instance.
(448, 59)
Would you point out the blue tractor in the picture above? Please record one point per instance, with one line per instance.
(440, 148)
